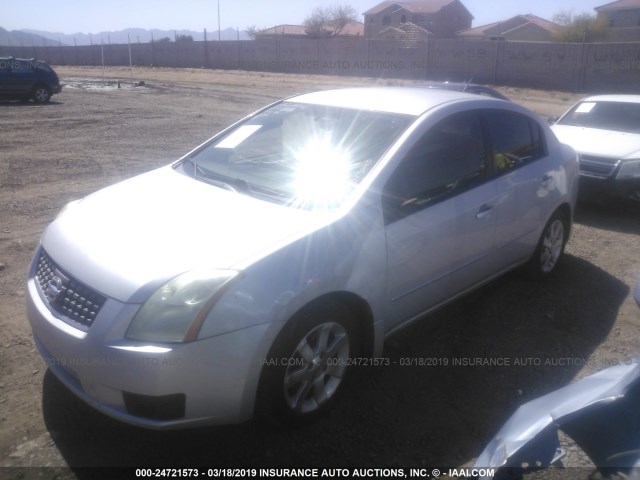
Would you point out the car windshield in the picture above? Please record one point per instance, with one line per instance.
(304, 155)
(616, 116)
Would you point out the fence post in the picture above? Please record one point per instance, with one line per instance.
(239, 54)
(175, 41)
(582, 67)
(61, 52)
(496, 63)
(427, 57)
(206, 50)
(153, 51)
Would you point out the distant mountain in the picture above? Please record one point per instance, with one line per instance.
(134, 35)
(19, 38)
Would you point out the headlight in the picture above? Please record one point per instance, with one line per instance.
(629, 169)
(177, 310)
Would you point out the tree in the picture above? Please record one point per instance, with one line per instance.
(317, 24)
(252, 30)
(341, 16)
(163, 40)
(580, 28)
(184, 38)
(328, 21)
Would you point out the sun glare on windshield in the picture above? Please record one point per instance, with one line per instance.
(322, 173)
(302, 155)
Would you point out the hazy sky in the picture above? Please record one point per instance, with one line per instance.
(93, 16)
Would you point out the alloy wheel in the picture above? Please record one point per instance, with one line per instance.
(316, 367)
(552, 244)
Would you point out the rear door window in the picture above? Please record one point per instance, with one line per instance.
(21, 67)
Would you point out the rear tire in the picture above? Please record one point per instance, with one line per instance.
(550, 249)
(308, 365)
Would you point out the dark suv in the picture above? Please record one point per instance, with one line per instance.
(23, 79)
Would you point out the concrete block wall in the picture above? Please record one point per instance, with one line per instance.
(561, 66)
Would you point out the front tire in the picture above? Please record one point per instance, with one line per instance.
(550, 247)
(308, 364)
(41, 94)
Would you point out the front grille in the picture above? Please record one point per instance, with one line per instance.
(65, 295)
(164, 407)
(601, 167)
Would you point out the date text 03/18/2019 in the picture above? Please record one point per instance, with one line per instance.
(301, 473)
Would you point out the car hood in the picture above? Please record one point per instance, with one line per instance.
(593, 141)
(148, 229)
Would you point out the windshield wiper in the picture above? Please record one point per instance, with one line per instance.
(216, 179)
(260, 191)
(236, 185)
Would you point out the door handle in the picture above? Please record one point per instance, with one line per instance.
(484, 211)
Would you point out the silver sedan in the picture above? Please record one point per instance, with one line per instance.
(605, 131)
(251, 275)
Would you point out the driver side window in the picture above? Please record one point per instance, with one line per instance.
(515, 138)
(447, 160)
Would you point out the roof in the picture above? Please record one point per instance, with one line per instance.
(462, 87)
(613, 98)
(413, 29)
(9, 57)
(352, 28)
(527, 26)
(402, 100)
(540, 22)
(410, 33)
(414, 6)
(391, 30)
(511, 24)
(477, 30)
(284, 30)
(619, 5)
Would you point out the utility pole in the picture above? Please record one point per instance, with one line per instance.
(219, 20)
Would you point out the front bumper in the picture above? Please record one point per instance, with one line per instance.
(210, 381)
(628, 188)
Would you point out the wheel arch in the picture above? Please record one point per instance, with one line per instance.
(266, 403)
(565, 210)
(533, 269)
(357, 306)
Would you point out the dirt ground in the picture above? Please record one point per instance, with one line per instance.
(95, 133)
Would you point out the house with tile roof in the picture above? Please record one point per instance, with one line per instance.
(529, 28)
(440, 18)
(623, 18)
